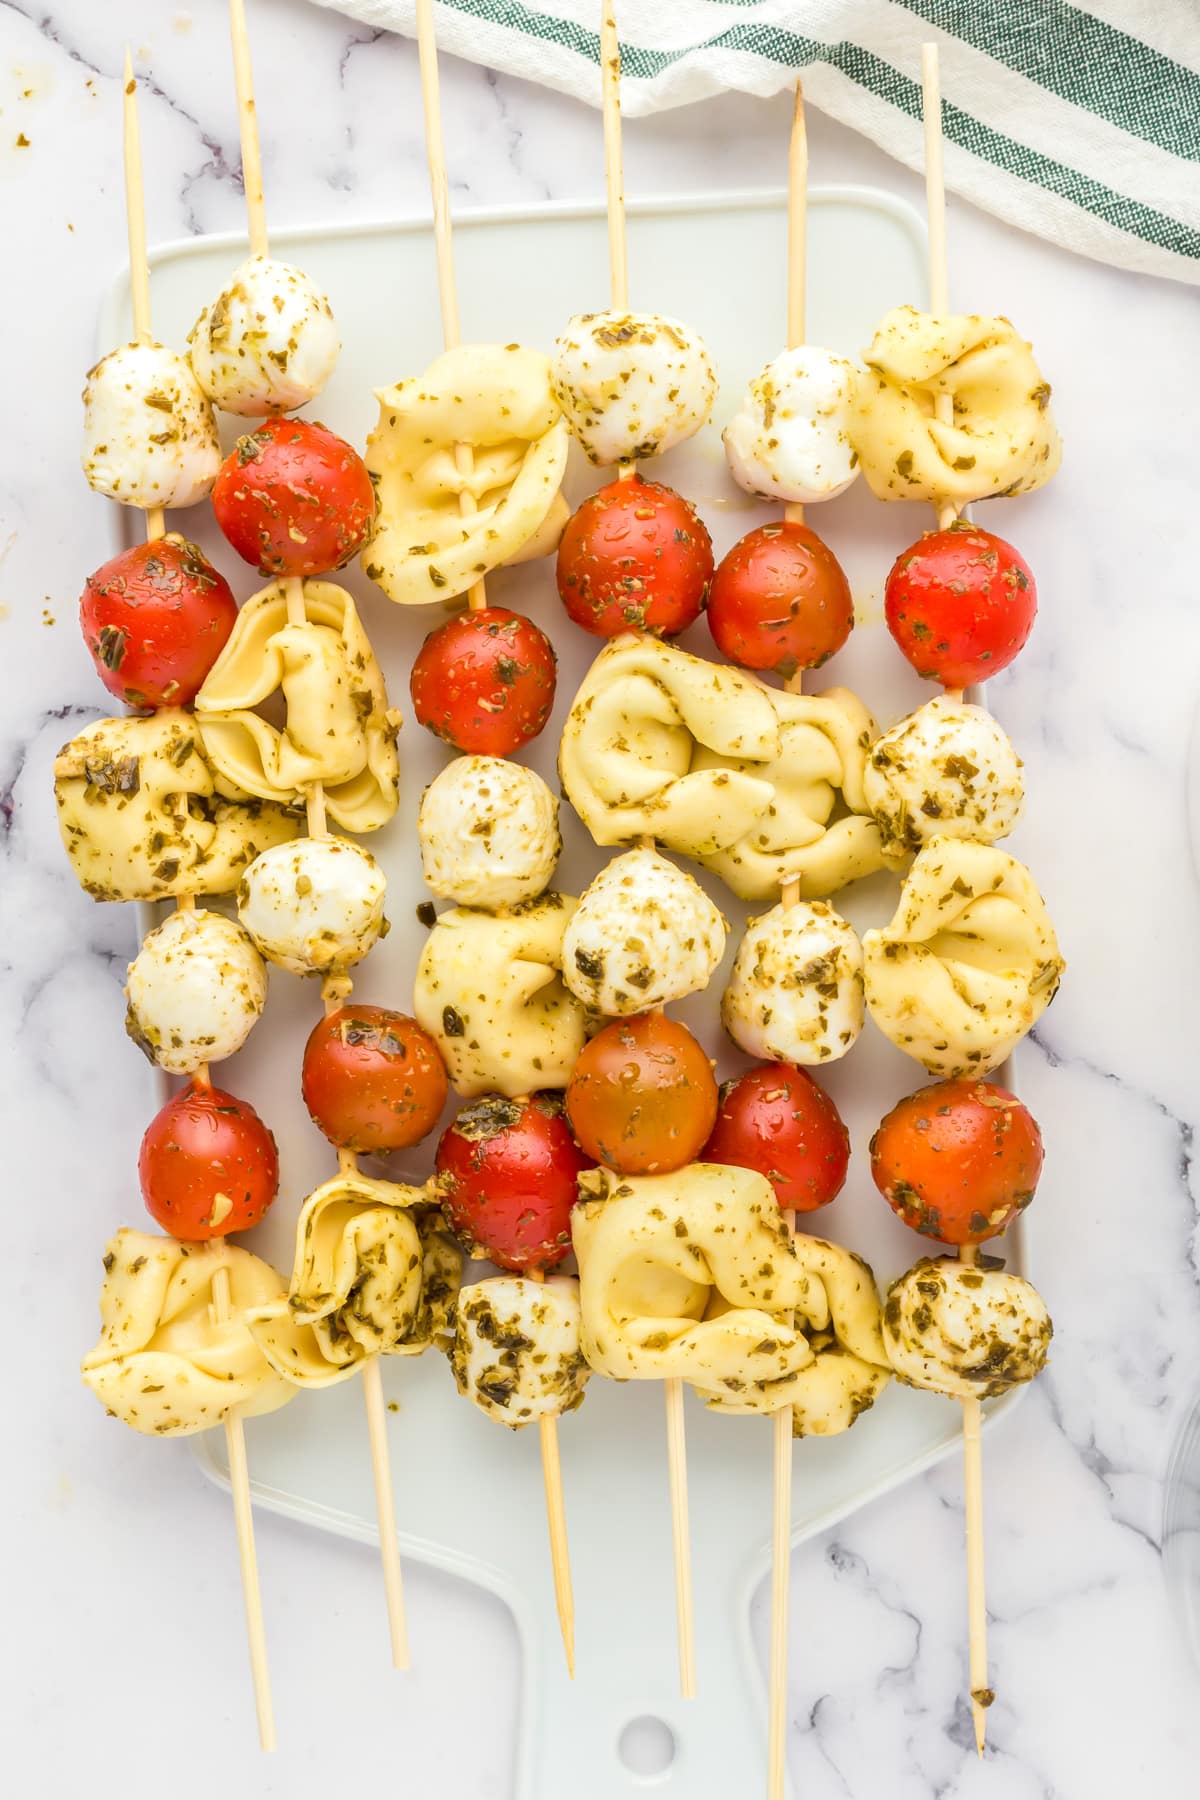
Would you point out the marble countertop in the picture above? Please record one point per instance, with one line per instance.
(123, 1668)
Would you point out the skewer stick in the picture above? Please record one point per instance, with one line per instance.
(939, 300)
(556, 1523)
(297, 613)
(610, 87)
(797, 247)
(235, 1437)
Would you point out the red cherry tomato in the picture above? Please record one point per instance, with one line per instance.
(509, 1169)
(780, 601)
(960, 604)
(155, 619)
(208, 1165)
(484, 681)
(635, 557)
(642, 1097)
(372, 1079)
(958, 1160)
(776, 1119)
(294, 499)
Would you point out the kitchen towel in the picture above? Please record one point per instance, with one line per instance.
(1081, 124)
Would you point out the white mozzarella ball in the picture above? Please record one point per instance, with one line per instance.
(195, 990)
(965, 1331)
(643, 933)
(268, 343)
(314, 906)
(947, 770)
(149, 436)
(632, 384)
(790, 436)
(517, 1352)
(488, 831)
(796, 992)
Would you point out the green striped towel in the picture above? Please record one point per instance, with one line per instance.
(1081, 124)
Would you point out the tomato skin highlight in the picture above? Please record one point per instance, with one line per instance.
(294, 499)
(958, 1160)
(155, 619)
(780, 600)
(372, 1079)
(960, 604)
(636, 556)
(642, 1096)
(484, 681)
(509, 1170)
(778, 1120)
(206, 1143)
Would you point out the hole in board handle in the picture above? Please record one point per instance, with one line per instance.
(647, 1749)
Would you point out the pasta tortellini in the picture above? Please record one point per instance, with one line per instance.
(375, 1273)
(1001, 438)
(517, 1352)
(632, 384)
(796, 991)
(490, 991)
(790, 438)
(947, 770)
(488, 831)
(163, 1364)
(643, 933)
(969, 962)
(965, 1331)
(497, 400)
(142, 818)
(339, 729)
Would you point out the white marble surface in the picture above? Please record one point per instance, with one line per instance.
(121, 1669)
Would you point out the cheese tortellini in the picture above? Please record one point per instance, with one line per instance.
(760, 786)
(1001, 438)
(149, 436)
(163, 1364)
(490, 991)
(796, 991)
(969, 962)
(339, 729)
(632, 384)
(376, 1273)
(488, 831)
(963, 1330)
(497, 400)
(517, 1352)
(142, 817)
(790, 438)
(643, 933)
(196, 989)
(313, 907)
(947, 770)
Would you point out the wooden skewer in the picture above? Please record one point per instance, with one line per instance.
(610, 87)
(235, 1437)
(939, 300)
(443, 237)
(297, 613)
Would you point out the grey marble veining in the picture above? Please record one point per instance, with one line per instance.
(124, 1670)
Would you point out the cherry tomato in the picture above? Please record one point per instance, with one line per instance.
(155, 619)
(294, 499)
(208, 1164)
(372, 1079)
(776, 1119)
(642, 1097)
(780, 601)
(635, 557)
(960, 603)
(958, 1160)
(484, 681)
(509, 1169)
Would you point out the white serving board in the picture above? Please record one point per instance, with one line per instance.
(719, 263)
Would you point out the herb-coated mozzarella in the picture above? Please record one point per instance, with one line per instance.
(965, 1331)
(149, 436)
(948, 770)
(643, 933)
(790, 438)
(488, 831)
(195, 991)
(315, 906)
(517, 1351)
(268, 343)
(796, 991)
(632, 384)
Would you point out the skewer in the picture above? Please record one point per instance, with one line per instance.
(939, 300)
(372, 1380)
(435, 151)
(235, 1437)
(610, 70)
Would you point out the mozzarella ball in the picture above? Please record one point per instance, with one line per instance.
(488, 831)
(517, 1351)
(149, 436)
(315, 907)
(790, 437)
(643, 933)
(268, 343)
(947, 770)
(965, 1331)
(796, 992)
(631, 384)
(195, 989)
